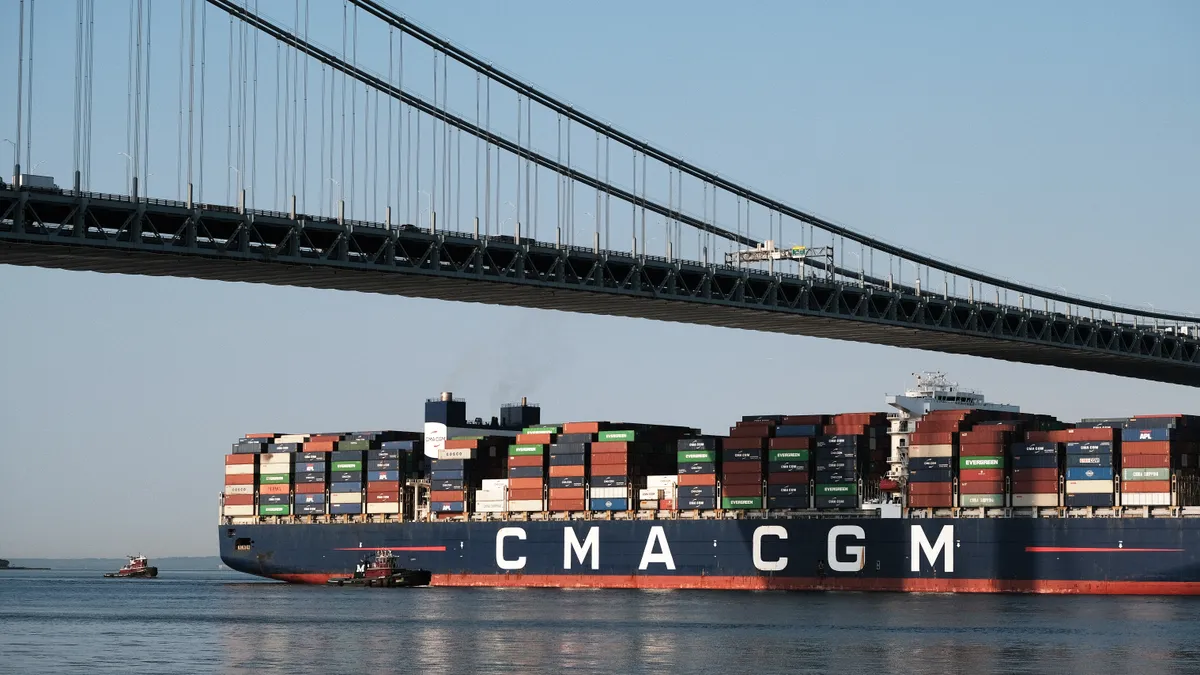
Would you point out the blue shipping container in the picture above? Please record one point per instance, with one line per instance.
(407, 446)
(1089, 460)
(346, 456)
(918, 463)
(383, 476)
(525, 472)
(443, 474)
(1135, 435)
(311, 509)
(691, 503)
(309, 499)
(755, 455)
(274, 499)
(566, 482)
(1033, 448)
(1090, 448)
(842, 442)
(346, 477)
(697, 491)
(787, 491)
(311, 467)
(345, 509)
(345, 487)
(383, 465)
(931, 476)
(610, 481)
(283, 447)
(383, 455)
(799, 502)
(447, 464)
(1035, 461)
(1090, 473)
(1106, 499)
(793, 430)
(447, 507)
(610, 504)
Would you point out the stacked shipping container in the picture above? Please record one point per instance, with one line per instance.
(743, 460)
(982, 468)
(697, 463)
(789, 461)
(1036, 474)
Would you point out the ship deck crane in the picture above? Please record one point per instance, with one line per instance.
(767, 252)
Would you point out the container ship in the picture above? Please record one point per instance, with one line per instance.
(946, 492)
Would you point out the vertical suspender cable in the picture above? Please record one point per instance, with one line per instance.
(477, 147)
(254, 121)
(607, 193)
(191, 85)
(304, 136)
(29, 98)
(353, 114)
(145, 189)
(78, 94)
(180, 82)
(20, 76)
(391, 65)
(203, 80)
(433, 137)
(487, 185)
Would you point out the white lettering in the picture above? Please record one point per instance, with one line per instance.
(859, 552)
(502, 562)
(768, 531)
(664, 556)
(944, 543)
(591, 543)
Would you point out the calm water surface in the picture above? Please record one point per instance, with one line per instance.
(220, 622)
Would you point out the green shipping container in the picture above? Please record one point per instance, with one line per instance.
(838, 489)
(981, 500)
(787, 456)
(697, 456)
(1145, 474)
(275, 510)
(515, 450)
(981, 462)
(346, 466)
(540, 430)
(626, 435)
(274, 479)
(741, 503)
(354, 445)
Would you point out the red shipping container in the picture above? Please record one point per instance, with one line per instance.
(989, 475)
(609, 458)
(981, 450)
(566, 493)
(929, 501)
(462, 444)
(735, 443)
(559, 471)
(981, 487)
(386, 486)
(322, 438)
(788, 478)
(1146, 448)
(609, 470)
(527, 460)
(310, 488)
(1144, 462)
(753, 466)
(393, 497)
(582, 427)
(752, 431)
(524, 484)
(791, 443)
(985, 434)
(666, 505)
(535, 439)
(239, 500)
(741, 490)
(567, 505)
(319, 446)
(931, 438)
(690, 479)
(244, 458)
(610, 446)
(265, 436)
(523, 494)
(1146, 486)
(240, 479)
(742, 479)
(1021, 473)
(931, 489)
(274, 489)
(1034, 486)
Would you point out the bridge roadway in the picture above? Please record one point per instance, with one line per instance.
(114, 234)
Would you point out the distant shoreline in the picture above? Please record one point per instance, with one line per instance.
(19, 569)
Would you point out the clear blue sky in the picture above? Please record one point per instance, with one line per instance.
(1053, 143)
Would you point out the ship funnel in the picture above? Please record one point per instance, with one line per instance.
(447, 396)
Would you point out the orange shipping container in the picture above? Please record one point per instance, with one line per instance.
(981, 487)
(582, 427)
(462, 444)
(990, 475)
(322, 438)
(697, 479)
(931, 438)
(274, 489)
(240, 479)
(527, 460)
(524, 484)
(609, 459)
(310, 488)
(929, 501)
(1146, 486)
(239, 500)
(535, 439)
(610, 446)
(319, 446)
(447, 496)
(609, 470)
(1146, 448)
(666, 505)
(393, 497)
(566, 493)
(567, 471)
(524, 495)
(267, 436)
(244, 458)
(930, 489)
(567, 505)
(384, 486)
(1146, 462)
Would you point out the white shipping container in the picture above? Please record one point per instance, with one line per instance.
(239, 469)
(457, 453)
(494, 484)
(292, 438)
(239, 489)
(275, 458)
(345, 497)
(490, 496)
(247, 510)
(393, 507)
(661, 482)
(1089, 487)
(1035, 499)
(610, 493)
(648, 505)
(650, 493)
(1145, 499)
(490, 506)
(926, 451)
(526, 505)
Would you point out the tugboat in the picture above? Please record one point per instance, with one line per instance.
(137, 567)
(380, 570)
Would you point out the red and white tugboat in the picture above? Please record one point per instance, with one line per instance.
(380, 570)
(137, 567)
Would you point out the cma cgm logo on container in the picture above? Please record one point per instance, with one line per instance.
(853, 557)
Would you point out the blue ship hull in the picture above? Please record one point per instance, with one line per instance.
(1030, 555)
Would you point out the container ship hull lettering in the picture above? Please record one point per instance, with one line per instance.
(1092, 555)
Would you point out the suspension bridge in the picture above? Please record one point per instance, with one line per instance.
(341, 146)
